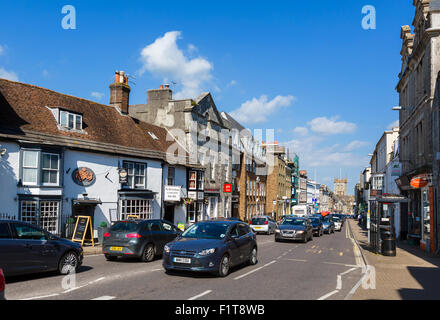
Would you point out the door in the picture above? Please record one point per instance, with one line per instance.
(9, 250)
(170, 232)
(158, 236)
(31, 243)
(245, 242)
(169, 213)
(234, 245)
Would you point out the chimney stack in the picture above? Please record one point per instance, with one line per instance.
(120, 92)
(159, 97)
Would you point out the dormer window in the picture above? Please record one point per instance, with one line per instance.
(70, 120)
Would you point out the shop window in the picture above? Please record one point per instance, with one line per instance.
(41, 213)
(138, 207)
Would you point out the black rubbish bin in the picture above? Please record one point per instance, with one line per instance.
(388, 247)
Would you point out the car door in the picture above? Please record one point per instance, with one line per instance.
(169, 230)
(157, 235)
(245, 241)
(31, 242)
(9, 250)
(233, 245)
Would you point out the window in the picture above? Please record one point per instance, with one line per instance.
(135, 174)
(26, 232)
(30, 167)
(5, 233)
(70, 120)
(200, 180)
(195, 210)
(40, 168)
(138, 207)
(192, 180)
(41, 213)
(171, 176)
(154, 226)
(50, 170)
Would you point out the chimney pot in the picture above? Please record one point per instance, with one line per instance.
(161, 86)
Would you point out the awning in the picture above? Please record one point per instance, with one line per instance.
(136, 194)
(94, 202)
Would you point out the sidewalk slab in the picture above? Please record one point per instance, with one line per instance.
(413, 274)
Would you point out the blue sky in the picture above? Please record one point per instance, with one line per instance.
(304, 68)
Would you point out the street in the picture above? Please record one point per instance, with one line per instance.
(324, 268)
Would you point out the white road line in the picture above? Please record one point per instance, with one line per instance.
(339, 278)
(328, 295)
(42, 297)
(97, 280)
(342, 264)
(299, 260)
(255, 270)
(201, 295)
(105, 298)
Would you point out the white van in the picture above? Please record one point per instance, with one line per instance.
(301, 210)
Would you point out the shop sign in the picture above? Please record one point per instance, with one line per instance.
(227, 188)
(172, 193)
(419, 181)
(396, 170)
(192, 195)
(83, 177)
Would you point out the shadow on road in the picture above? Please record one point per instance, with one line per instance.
(43, 275)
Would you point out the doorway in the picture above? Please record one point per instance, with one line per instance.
(169, 213)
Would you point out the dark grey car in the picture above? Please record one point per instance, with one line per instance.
(142, 239)
(294, 228)
(212, 246)
(25, 249)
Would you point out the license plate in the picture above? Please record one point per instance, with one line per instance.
(115, 248)
(257, 228)
(289, 235)
(182, 260)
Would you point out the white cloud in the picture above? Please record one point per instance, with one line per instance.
(393, 125)
(356, 144)
(97, 95)
(232, 83)
(257, 110)
(163, 58)
(302, 131)
(324, 125)
(10, 75)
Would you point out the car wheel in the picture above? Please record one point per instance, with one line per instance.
(223, 268)
(68, 263)
(110, 258)
(253, 257)
(148, 253)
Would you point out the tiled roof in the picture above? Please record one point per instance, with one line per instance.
(23, 108)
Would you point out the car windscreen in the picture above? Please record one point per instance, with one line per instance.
(336, 219)
(124, 227)
(207, 231)
(293, 222)
(258, 221)
(315, 220)
(300, 212)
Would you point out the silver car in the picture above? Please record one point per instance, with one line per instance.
(263, 224)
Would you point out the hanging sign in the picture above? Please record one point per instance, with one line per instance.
(419, 181)
(83, 230)
(123, 176)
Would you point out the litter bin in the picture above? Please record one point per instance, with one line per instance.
(388, 247)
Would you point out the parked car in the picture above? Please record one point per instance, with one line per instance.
(328, 224)
(143, 239)
(337, 222)
(25, 249)
(318, 228)
(263, 224)
(341, 217)
(212, 246)
(2, 285)
(294, 228)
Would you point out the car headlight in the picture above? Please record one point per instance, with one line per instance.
(166, 249)
(300, 231)
(206, 252)
(277, 230)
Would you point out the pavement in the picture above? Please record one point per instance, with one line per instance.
(411, 275)
(326, 268)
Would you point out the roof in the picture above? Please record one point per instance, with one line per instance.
(24, 110)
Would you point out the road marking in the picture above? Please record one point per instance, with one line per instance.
(342, 264)
(105, 298)
(97, 280)
(255, 270)
(42, 297)
(298, 260)
(328, 295)
(201, 295)
(93, 255)
(339, 278)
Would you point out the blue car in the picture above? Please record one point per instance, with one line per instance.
(212, 246)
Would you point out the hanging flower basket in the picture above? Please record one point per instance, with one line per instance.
(188, 201)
